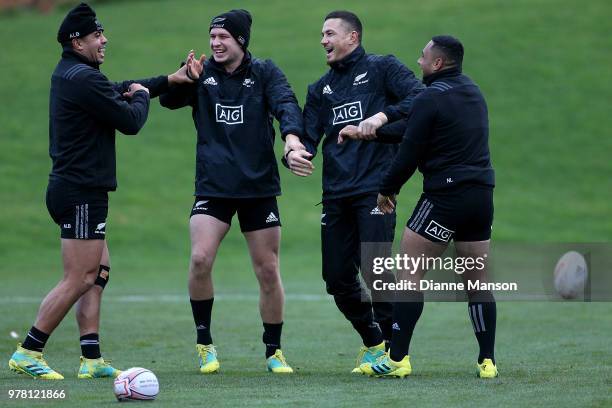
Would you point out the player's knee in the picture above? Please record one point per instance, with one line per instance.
(81, 281)
(340, 288)
(268, 275)
(85, 283)
(201, 264)
(333, 288)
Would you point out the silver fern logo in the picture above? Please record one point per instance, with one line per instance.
(359, 79)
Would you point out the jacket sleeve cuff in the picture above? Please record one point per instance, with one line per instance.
(387, 191)
(141, 92)
(295, 131)
(284, 161)
(159, 85)
(392, 114)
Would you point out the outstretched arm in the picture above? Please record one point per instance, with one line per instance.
(182, 87)
(391, 133)
(283, 105)
(96, 94)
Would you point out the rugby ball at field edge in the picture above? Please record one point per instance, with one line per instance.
(136, 384)
(570, 275)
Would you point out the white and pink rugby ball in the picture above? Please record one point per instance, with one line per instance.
(136, 384)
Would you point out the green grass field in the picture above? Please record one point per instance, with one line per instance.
(541, 65)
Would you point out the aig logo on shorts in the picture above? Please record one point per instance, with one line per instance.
(347, 113)
(231, 115)
(439, 232)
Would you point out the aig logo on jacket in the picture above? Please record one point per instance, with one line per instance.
(347, 113)
(231, 115)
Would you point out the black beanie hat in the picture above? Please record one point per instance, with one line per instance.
(237, 22)
(79, 22)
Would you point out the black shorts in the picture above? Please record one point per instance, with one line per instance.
(464, 213)
(80, 212)
(253, 213)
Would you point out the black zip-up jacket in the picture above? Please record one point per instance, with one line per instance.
(85, 109)
(354, 89)
(446, 136)
(233, 115)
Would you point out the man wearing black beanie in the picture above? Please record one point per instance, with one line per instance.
(237, 23)
(234, 101)
(78, 23)
(84, 112)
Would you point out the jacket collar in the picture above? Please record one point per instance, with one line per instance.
(348, 61)
(445, 73)
(69, 53)
(246, 61)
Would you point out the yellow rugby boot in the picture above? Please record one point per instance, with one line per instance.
(487, 369)
(32, 363)
(368, 355)
(385, 367)
(208, 358)
(277, 364)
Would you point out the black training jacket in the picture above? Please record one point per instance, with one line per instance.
(233, 115)
(446, 136)
(354, 89)
(85, 109)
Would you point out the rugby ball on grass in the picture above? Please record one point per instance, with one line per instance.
(136, 384)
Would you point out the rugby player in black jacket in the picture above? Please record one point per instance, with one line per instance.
(447, 138)
(367, 90)
(233, 105)
(85, 109)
